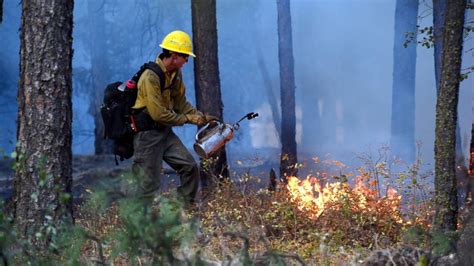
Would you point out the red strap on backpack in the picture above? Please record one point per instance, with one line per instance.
(134, 125)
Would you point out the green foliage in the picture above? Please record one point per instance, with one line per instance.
(416, 235)
(443, 243)
(363, 218)
(427, 40)
(427, 37)
(18, 158)
(66, 245)
(151, 230)
(424, 261)
(98, 201)
(239, 223)
(43, 241)
(7, 236)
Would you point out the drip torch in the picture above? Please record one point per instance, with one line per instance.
(215, 134)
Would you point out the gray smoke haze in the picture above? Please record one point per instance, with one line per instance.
(343, 51)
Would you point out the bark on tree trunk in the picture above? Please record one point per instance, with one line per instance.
(470, 181)
(439, 7)
(99, 71)
(445, 133)
(288, 157)
(466, 241)
(206, 76)
(403, 88)
(43, 179)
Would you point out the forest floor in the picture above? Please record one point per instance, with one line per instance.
(88, 173)
(87, 170)
(93, 172)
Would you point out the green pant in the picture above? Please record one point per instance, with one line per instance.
(154, 146)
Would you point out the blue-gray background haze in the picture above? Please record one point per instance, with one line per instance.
(343, 52)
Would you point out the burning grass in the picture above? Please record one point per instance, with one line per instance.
(323, 219)
(285, 222)
(318, 219)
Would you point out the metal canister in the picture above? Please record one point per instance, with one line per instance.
(212, 137)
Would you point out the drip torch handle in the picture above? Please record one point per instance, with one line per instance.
(197, 137)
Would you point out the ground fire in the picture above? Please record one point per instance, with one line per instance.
(314, 199)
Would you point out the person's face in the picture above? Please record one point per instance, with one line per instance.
(180, 60)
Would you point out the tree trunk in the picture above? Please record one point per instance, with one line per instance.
(206, 76)
(439, 7)
(445, 135)
(470, 181)
(466, 241)
(99, 72)
(403, 87)
(43, 179)
(288, 157)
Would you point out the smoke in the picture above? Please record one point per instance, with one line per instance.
(9, 72)
(343, 52)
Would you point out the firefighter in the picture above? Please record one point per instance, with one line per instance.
(167, 107)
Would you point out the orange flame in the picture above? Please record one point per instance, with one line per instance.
(313, 198)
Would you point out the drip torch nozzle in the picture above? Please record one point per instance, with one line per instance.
(249, 116)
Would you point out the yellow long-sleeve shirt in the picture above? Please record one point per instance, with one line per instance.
(167, 107)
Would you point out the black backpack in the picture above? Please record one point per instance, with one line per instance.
(116, 111)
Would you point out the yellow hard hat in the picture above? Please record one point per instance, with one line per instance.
(178, 41)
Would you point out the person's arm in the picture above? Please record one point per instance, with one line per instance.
(181, 104)
(149, 83)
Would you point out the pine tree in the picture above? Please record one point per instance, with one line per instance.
(446, 203)
(206, 75)
(288, 158)
(43, 179)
